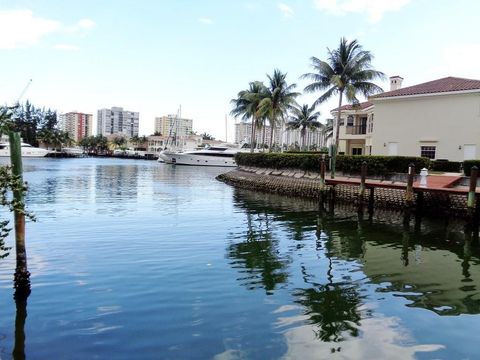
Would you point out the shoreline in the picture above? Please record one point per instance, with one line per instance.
(301, 184)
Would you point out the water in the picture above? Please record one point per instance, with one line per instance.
(139, 260)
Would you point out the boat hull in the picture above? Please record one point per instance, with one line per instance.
(37, 153)
(196, 159)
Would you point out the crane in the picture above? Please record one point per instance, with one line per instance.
(23, 91)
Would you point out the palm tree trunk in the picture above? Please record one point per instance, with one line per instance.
(252, 139)
(334, 149)
(271, 137)
(264, 136)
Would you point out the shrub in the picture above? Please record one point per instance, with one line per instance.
(377, 165)
(445, 165)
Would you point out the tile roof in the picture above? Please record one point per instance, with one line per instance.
(447, 84)
(359, 106)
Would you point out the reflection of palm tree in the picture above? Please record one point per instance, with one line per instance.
(18, 352)
(333, 306)
(259, 256)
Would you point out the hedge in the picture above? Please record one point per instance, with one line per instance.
(377, 165)
(445, 165)
(468, 164)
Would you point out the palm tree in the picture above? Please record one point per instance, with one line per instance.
(348, 72)
(280, 98)
(247, 104)
(119, 141)
(304, 118)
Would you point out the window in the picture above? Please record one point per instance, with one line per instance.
(356, 151)
(428, 151)
(350, 120)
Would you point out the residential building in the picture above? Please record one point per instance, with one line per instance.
(286, 137)
(243, 134)
(160, 142)
(78, 125)
(171, 125)
(116, 121)
(356, 128)
(439, 119)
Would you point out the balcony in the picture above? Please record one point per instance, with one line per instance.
(356, 130)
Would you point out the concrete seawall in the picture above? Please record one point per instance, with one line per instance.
(307, 185)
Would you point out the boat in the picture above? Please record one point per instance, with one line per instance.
(27, 150)
(222, 155)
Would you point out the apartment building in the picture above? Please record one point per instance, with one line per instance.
(116, 121)
(78, 125)
(282, 136)
(171, 125)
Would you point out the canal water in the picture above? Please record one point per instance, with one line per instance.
(140, 260)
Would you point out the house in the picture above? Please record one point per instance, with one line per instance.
(356, 128)
(439, 119)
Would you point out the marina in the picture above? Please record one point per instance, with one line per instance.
(126, 258)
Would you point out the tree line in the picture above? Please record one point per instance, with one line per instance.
(346, 72)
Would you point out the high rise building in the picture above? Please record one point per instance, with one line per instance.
(286, 137)
(116, 121)
(172, 125)
(78, 125)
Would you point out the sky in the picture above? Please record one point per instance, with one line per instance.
(155, 56)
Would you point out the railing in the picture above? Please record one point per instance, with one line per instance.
(356, 130)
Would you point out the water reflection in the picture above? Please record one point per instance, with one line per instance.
(433, 265)
(18, 352)
(257, 258)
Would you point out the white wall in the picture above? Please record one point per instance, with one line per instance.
(444, 121)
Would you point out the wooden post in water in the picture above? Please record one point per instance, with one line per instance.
(472, 197)
(361, 190)
(472, 188)
(409, 193)
(322, 174)
(22, 276)
(322, 181)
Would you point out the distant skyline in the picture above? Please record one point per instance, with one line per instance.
(153, 56)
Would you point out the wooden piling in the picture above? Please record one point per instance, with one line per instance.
(409, 190)
(22, 276)
(322, 174)
(473, 186)
(363, 175)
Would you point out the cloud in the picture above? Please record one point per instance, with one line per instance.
(22, 29)
(447, 63)
(206, 21)
(374, 9)
(286, 10)
(83, 25)
(66, 47)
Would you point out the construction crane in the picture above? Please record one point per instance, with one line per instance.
(23, 91)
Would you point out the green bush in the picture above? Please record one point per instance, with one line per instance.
(380, 165)
(468, 164)
(445, 165)
(377, 165)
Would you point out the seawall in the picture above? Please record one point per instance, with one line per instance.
(297, 183)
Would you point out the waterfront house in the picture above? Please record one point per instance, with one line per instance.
(439, 119)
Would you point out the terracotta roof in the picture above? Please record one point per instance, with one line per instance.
(447, 84)
(359, 106)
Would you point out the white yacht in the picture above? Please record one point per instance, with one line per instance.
(27, 150)
(222, 155)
